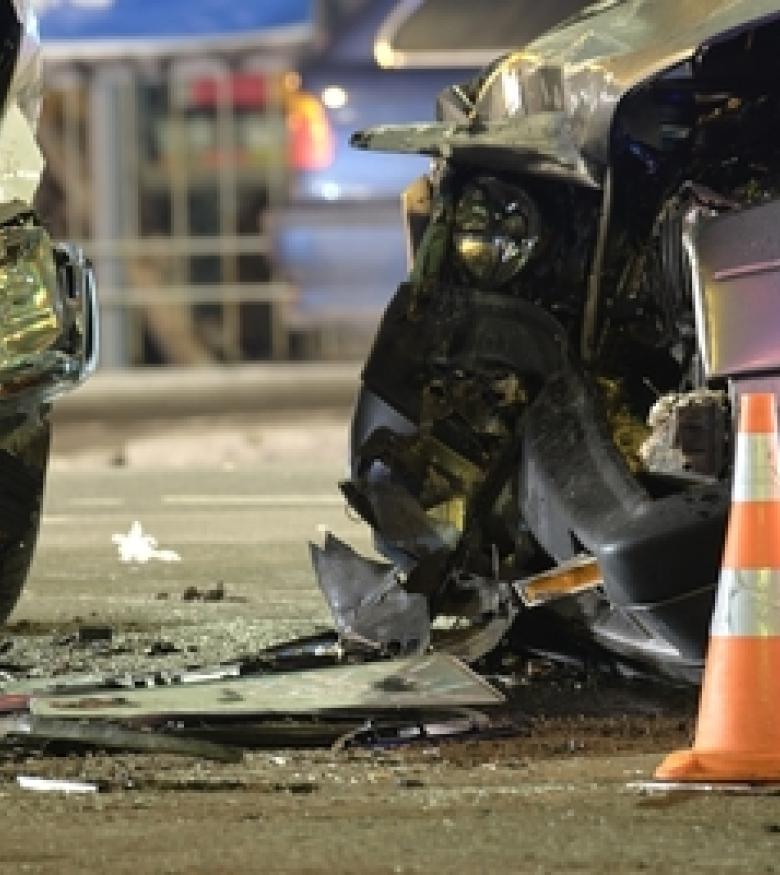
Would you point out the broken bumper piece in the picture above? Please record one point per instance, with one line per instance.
(367, 602)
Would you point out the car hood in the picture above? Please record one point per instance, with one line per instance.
(549, 106)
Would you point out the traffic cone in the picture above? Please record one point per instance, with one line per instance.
(738, 727)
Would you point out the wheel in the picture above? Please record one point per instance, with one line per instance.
(24, 453)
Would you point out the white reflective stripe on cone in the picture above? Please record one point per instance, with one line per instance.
(756, 474)
(748, 603)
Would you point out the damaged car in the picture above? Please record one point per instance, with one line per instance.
(543, 435)
(48, 323)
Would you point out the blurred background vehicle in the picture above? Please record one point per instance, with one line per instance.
(199, 151)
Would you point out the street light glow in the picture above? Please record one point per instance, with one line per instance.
(334, 97)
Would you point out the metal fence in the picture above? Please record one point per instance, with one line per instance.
(171, 175)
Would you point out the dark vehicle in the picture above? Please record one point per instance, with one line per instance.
(48, 335)
(596, 280)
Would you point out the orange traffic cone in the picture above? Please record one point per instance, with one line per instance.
(738, 728)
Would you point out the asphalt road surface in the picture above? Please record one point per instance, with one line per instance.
(248, 529)
(238, 501)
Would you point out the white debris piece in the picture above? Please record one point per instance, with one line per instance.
(135, 546)
(45, 785)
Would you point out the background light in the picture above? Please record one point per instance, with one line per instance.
(334, 97)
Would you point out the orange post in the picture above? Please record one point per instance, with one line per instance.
(738, 727)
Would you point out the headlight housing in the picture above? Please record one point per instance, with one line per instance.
(497, 228)
(48, 311)
(30, 315)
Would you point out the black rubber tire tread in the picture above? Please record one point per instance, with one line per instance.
(15, 562)
(22, 479)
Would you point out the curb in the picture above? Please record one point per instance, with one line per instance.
(169, 393)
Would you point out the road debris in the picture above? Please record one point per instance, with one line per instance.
(216, 593)
(672, 791)
(430, 681)
(432, 727)
(367, 602)
(161, 648)
(44, 733)
(46, 785)
(311, 651)
(92, 634)
(309, 692)
(84, 683)
(138, 547)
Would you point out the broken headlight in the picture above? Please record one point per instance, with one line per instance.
(48, 327)
(496, 230)
(29, 317)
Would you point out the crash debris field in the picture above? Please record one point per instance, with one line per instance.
(204, 715)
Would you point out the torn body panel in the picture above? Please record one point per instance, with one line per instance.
(545, 144)
(586, 67)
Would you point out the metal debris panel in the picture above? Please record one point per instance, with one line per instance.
(431, 681)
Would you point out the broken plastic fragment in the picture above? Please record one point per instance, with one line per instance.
(44, 785)
(367, 601)
(135, 546)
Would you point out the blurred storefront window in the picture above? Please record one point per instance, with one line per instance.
(200, 154)
(170, 175)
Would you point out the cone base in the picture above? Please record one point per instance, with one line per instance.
(712, 765)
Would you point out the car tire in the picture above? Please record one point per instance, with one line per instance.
(24, 453)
